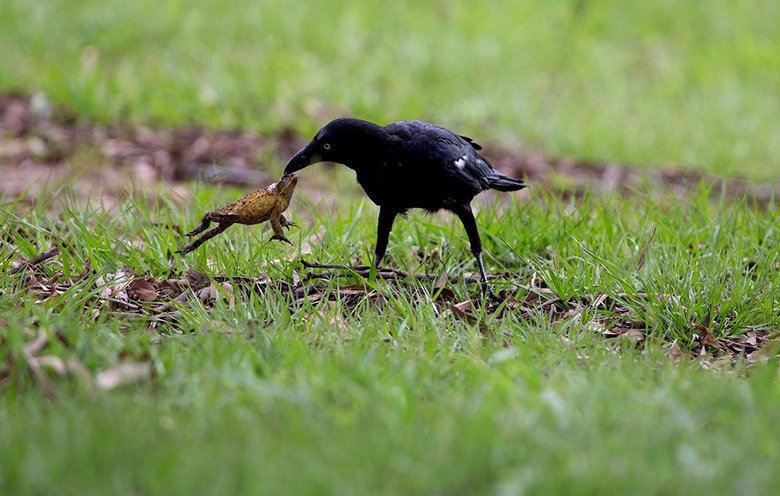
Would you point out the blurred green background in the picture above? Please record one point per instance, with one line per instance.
(692, 83)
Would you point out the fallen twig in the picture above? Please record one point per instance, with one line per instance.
(41, 257)
(381, 272)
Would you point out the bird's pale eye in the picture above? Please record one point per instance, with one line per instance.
(326, 146)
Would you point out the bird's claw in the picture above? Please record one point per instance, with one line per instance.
(487, 293)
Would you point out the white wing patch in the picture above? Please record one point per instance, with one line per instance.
(461, 162)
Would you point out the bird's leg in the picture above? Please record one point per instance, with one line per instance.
(385, 224)
(206, 236)
(466, 217)
(486, 290)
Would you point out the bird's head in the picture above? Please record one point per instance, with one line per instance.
(340, 141)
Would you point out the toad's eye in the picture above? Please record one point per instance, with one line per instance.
(326, 146)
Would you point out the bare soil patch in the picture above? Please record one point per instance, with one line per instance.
(40, 144)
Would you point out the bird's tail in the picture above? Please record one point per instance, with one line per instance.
(502, 183)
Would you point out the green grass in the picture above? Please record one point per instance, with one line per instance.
(269, 412)
(693, 83)
(275, 395)
(270, 396)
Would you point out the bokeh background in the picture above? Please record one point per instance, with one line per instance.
(694, 84)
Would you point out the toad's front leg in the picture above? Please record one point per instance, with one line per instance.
(277, 222)
(286, 223)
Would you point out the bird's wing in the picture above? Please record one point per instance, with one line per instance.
(471, 142)
(435, 147)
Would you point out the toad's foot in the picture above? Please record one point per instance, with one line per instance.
(286, 223)
(281, 237)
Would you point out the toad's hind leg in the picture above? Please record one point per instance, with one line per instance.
(206, 236)
(205, 222)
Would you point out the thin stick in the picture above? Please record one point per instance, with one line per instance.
(382, 272)
(41, 257)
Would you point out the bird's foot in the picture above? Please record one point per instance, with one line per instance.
(488, 294)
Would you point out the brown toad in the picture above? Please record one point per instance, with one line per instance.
(265, 204)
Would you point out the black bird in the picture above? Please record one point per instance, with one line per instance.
(409, 164)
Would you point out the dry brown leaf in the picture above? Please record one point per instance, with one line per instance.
(631, 334)
(140, 289)
(52, 362)
(228, 288)
(32, 348)
(596, 326)
(334, 318)
(761, 355)
(531, 299)
(113, 285)
(706, 336)
(674, 352)
(196, 279)
(442, 290)
(123, 374)
(599, 300)
(311, 241)
(462, 307)
(634, 336)
(166, 288)
(79, 370)
(207, 294)
(314, 297)
(86, 268)
(464, 312)
(347, 291)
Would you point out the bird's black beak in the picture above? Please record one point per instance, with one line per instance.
(303, 158)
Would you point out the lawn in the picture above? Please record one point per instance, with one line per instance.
(636, 349)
